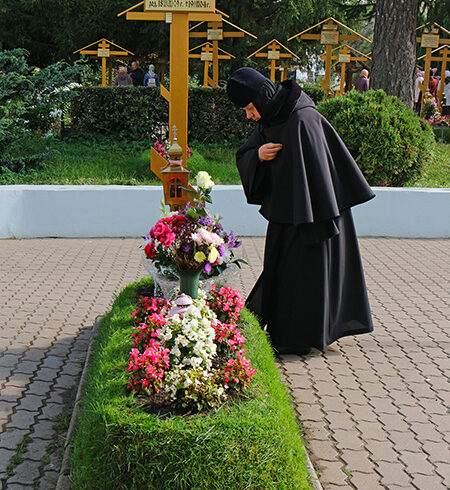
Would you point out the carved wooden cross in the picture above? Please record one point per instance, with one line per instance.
(430, 40)
(329, 36)
(105, 50)
(215, 32)
(178, 14)
(206, 55)
(347, 55)
(276, 52)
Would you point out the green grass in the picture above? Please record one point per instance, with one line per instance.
(16, 458)
(436, 172)
(249, 444)
(81, 162)
(77, 161)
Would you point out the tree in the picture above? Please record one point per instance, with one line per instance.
(394, 48)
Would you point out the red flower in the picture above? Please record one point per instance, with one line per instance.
(163, 233)
(149, 250)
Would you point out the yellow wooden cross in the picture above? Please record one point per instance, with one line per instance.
(178, 14)
(276, 52)
(329, 36)
(206, 55)
(105, 50)
(343, 55)
(430, 40)
(215, 32)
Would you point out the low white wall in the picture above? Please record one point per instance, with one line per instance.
(117, 211)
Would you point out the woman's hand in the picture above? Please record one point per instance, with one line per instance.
(269, 151)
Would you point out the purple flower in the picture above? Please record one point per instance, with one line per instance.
(206, 221)
(232, 242)
(207, 267)
(221, 250)
(186, 248)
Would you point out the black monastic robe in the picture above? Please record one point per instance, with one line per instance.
(312, 289)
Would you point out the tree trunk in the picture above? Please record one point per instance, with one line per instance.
(394, 48)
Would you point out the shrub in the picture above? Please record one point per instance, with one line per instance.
(315, 91)
(389, 142)
(248, 443)
(139, 112)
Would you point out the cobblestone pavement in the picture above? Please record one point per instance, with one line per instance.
(374, 407)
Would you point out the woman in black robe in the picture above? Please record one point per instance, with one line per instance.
(295, 166)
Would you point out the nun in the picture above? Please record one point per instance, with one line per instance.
(294, 166)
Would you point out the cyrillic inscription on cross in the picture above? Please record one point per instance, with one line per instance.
(181, 5)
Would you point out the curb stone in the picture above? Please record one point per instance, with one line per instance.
(313, 476)
(63, 482)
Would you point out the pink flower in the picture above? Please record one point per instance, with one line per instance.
(207, 237)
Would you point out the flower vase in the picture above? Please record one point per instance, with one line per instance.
(189, 282)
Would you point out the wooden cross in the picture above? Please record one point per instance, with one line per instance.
(430, 40)
(206, 56)
(346, 55)
(178, 14)
(105, 50)
(273, 54)
(215, 32)
(329, 36)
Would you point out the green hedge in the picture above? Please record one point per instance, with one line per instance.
(253, 443)
(389, 141)
(138, 112)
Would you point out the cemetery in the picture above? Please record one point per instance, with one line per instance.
(156, 329)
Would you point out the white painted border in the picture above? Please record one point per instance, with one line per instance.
(118, 211)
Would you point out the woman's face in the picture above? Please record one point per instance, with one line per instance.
(252, 112)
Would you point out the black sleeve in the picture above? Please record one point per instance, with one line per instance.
(253, 172)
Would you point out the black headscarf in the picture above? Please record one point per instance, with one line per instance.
(273, 102)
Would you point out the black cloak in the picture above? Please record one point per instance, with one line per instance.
(312, 289)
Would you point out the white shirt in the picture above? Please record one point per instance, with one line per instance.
(417, 89)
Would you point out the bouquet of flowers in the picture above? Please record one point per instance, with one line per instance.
(192, 238)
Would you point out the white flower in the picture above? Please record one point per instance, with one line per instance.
(194, 311)
(204, 181)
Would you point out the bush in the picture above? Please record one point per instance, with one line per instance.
(315, 91)
(389, 142)
(138, 113)
(248, 443)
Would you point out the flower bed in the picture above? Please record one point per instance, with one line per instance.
(187, 354)
(248, 442)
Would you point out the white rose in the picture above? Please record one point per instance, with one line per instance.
(204, 181)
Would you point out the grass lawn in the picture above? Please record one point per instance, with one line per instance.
(436, 173)
(252, 443)
(79, 161)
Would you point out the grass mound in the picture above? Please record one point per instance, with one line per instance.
(248, 444)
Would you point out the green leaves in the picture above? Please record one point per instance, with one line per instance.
(389, 142)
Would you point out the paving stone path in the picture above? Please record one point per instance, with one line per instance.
(375, 408)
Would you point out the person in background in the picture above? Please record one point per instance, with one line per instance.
(433, 84)
(446, 94)
(137, 74)
(362, 84)
(417, 92)
(151, 79)
(122, 79)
